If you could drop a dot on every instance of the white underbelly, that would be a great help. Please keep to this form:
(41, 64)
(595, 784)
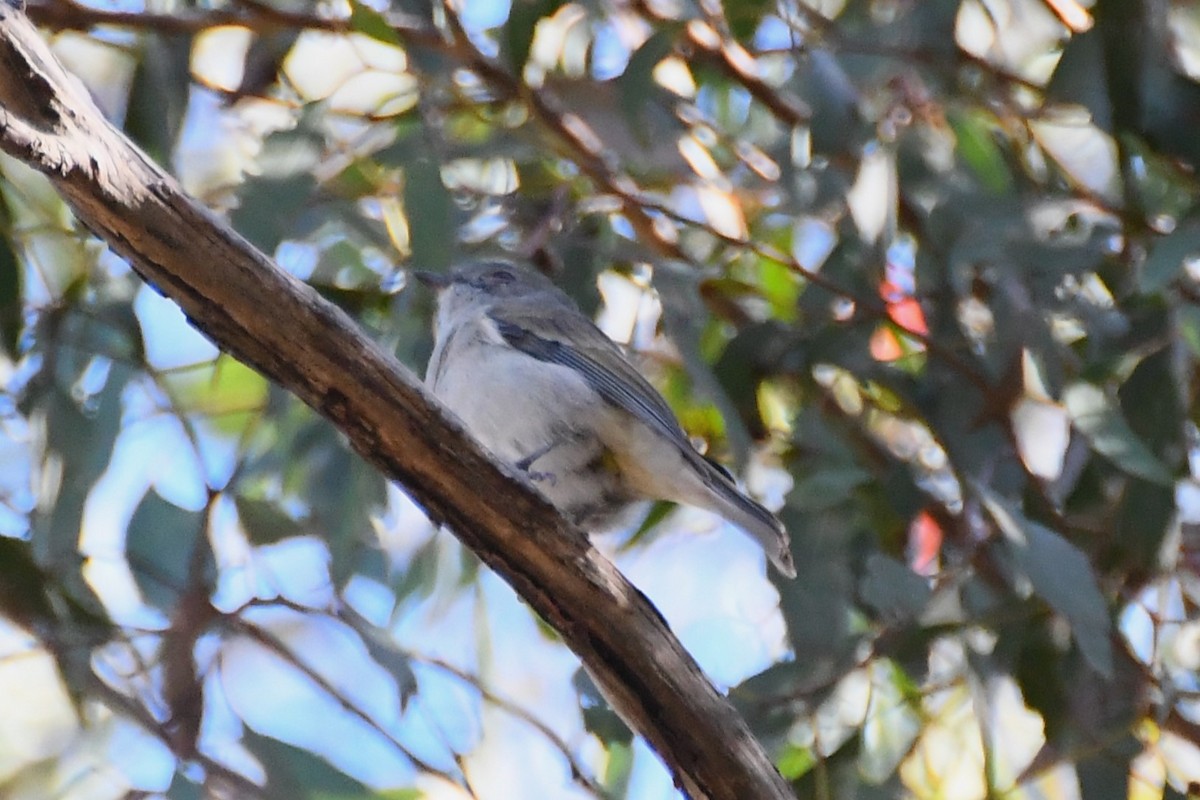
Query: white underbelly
(513, 403)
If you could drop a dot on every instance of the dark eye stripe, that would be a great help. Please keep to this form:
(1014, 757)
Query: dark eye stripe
(494, 278)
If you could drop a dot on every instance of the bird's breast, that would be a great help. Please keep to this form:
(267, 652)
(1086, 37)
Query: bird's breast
(513, 403)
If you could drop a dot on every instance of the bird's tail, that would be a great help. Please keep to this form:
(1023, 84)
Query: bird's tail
(764, 527)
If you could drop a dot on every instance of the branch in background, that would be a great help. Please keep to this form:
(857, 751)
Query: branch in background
(587, 150)
(577, 772)
(279, 326)
(259, 17)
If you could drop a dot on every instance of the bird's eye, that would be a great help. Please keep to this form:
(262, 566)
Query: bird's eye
(501, 276)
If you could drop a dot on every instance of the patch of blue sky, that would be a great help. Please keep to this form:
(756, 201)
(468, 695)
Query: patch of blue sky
(773, 34)
(706, 577)
(147, 453)
(169, 340)
(298, 258)
(901, 263)
(478, 16)
(438, 724)
(647, 778)
(275, 698)
(622, 226)
(727, 105)
(143, 758)
(484, 14)
(221, 735)
(610, 56)
(297, 570)
(16, 471)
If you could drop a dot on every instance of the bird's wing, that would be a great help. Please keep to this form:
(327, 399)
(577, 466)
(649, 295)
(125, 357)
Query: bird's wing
(594, 356)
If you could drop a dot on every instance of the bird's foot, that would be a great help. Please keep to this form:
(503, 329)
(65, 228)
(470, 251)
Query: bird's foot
(540, 477)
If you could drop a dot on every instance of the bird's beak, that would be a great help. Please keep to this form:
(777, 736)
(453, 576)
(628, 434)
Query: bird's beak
(434, 280)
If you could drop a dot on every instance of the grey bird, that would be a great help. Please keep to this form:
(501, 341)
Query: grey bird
(539, 385)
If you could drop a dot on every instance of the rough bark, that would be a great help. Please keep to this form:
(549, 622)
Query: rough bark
(273, 322)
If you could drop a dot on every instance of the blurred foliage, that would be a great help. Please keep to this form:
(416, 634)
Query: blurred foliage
(932, 264)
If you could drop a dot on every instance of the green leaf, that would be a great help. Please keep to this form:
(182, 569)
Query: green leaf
(685, 318)
(826, 488)
(523, 18)
(818, 604)
(893, 723)
(1104, 772)
(740, 369)
(1101, 422)
(298, 773)
(795, 762)
(24, 597)
(1061, 575)
(1039, 674)
(224, 387)
(1188, 319)
(618, 769)
(657, 513)
(420, 577)
(744, 16)
(341, 265)
(294, 152)
(159, 93)
(978, 148)
(81, 433)
(11, 298)
(264, 521)
(161, 548)
(430, 213)
(598, 717)
(264, 61)
(892, 589)
(1165, 262)
(781, 287)
(637, 84)
(1078, 78)
(1145, 518)
(604, 723)
(370, 22)
(268, 208)
(184, 789)
(344, 492)
(383, 650)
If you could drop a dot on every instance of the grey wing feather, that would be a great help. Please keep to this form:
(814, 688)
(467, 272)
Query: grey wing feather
(597, 358)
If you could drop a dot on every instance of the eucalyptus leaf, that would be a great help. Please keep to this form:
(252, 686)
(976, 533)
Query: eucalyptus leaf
(523, 17)
(163, 544)
(159, 93)
(269, 206)
(1062, 576)
(636, 83)
(430, 214)
(1095, 415)
(981, 153)
(1166, 262)
(367, 20)
(892, 589)
(11, 298)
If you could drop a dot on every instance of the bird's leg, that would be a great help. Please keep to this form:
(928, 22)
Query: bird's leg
(525, 463)
(528, 461)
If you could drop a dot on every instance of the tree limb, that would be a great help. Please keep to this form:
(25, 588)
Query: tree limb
(281, 327)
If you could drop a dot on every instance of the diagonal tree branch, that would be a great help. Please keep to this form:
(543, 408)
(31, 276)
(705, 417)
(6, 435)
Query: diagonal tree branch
(273, 322)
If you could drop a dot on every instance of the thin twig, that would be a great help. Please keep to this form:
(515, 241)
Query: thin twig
(577, 771)
(277, 646)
